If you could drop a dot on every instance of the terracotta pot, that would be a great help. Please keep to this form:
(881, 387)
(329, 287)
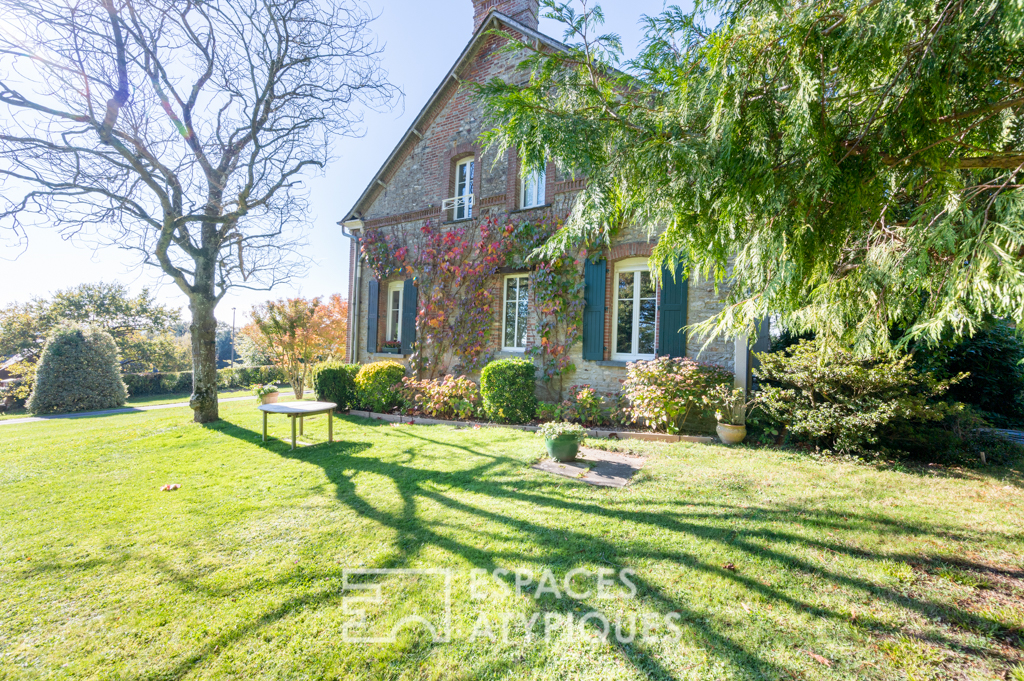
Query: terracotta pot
(731, 435)
(271, 398)
(562, 448)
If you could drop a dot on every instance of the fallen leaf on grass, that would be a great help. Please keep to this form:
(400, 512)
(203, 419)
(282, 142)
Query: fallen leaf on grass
(730, 567)
(818, 658)
(170, 488)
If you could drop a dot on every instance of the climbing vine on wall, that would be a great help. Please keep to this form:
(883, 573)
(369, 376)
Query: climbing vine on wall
(455, 271)
(456, 267)
(386, 254)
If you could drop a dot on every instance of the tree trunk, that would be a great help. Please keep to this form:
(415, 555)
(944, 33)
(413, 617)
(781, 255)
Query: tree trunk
(204, 360)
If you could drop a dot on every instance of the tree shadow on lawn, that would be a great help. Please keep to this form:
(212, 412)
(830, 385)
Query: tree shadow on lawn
(506, 479)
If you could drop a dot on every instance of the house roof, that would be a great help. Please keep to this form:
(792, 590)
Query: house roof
(467, 54)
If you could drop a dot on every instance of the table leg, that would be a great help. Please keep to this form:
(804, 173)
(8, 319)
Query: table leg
(264, 426)
(293, 432)
(302, 425)
(330, 427)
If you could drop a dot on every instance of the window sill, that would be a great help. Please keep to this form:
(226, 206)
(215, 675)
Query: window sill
(612, 363)
(516, 351)
(385, 355)
(527, 210)
(453, 222)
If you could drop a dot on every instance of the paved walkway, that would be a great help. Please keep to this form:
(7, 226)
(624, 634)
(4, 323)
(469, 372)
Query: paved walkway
(595, 467)
(108, 412)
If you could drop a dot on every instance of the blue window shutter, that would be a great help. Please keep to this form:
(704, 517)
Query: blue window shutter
(674, 302)
(409, 308)
(594, 274)
(373, 300)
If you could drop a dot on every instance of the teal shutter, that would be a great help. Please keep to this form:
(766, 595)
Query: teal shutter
(594, 274)
(409, 307)
(373, 300)
(674, 299)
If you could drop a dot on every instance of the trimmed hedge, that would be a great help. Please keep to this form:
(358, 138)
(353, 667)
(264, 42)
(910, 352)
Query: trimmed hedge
(335, 382)
(142, 385)
(378, 386)
(507, 386)
(78, 371)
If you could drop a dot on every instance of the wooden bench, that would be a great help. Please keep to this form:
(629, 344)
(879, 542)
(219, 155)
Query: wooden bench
(297, 411)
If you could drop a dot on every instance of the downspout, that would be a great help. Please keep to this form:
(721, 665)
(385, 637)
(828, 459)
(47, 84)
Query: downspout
(353, 308)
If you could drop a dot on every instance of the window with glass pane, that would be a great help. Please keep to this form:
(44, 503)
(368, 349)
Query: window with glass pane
(464, 189)
(635, 312)
(516, 309)
(533, 189)
(394, 326)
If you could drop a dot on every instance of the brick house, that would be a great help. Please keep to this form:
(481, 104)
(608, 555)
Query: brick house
(627, 316)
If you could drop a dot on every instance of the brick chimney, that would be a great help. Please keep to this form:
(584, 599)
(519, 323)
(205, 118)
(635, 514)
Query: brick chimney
(526, 12)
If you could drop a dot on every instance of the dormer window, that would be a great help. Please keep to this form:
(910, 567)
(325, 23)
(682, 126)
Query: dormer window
(533, 190)
(464, 177)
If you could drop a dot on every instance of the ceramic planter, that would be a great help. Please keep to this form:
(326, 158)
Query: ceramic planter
(271, 398)
(731, 435)
(563, 448)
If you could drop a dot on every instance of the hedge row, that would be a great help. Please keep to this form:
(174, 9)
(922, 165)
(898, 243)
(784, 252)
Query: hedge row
(141, 385)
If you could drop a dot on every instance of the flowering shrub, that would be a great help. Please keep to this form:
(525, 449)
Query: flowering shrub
(378, 384)
(666, 392)
(584, 405)
(559, 431)
(845, 403)
(445, 398)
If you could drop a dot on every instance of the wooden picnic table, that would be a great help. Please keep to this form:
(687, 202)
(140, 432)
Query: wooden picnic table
(298, 411)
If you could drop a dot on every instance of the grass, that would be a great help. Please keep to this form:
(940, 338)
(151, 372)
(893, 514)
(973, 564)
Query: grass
(150, 401)
(771, 565)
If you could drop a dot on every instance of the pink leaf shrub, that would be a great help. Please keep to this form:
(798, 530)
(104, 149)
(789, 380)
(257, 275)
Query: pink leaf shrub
(665, 392)
(443, 398)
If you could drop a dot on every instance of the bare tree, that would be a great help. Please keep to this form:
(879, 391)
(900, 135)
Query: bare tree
(182, 131)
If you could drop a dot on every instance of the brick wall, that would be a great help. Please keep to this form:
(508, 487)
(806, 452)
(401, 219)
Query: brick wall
(422, 178)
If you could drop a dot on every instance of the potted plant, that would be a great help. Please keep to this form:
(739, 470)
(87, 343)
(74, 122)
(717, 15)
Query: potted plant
(562, 439)
(266, 394)
(392, 347)
(731, 411)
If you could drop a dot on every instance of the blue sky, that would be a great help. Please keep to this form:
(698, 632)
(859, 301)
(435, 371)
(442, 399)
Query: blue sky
(423, 38)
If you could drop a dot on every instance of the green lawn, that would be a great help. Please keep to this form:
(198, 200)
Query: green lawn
(154, 400)
(771, 565)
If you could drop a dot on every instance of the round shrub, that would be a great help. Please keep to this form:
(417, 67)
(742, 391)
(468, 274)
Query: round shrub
(335, 382)
(78, 371)
(378, 386)
(507, 386)
(667, 393)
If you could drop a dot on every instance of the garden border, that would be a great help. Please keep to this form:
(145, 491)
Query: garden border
(620, 435)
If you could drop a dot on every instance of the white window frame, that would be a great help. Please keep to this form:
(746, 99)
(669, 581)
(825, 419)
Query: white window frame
(504, 309)
(540, 177)
(625, 266)
(392, 287)
(464, 191)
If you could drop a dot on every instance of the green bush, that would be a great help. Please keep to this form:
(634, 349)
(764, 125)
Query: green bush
(335, 382)
(667, 393)
(847, 404)
(378, 386)
(78, 371)
(142, 385)
(507, 387)
(992, 358)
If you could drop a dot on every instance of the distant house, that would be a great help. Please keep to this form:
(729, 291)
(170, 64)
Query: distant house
(439, 172)
(6, 364)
